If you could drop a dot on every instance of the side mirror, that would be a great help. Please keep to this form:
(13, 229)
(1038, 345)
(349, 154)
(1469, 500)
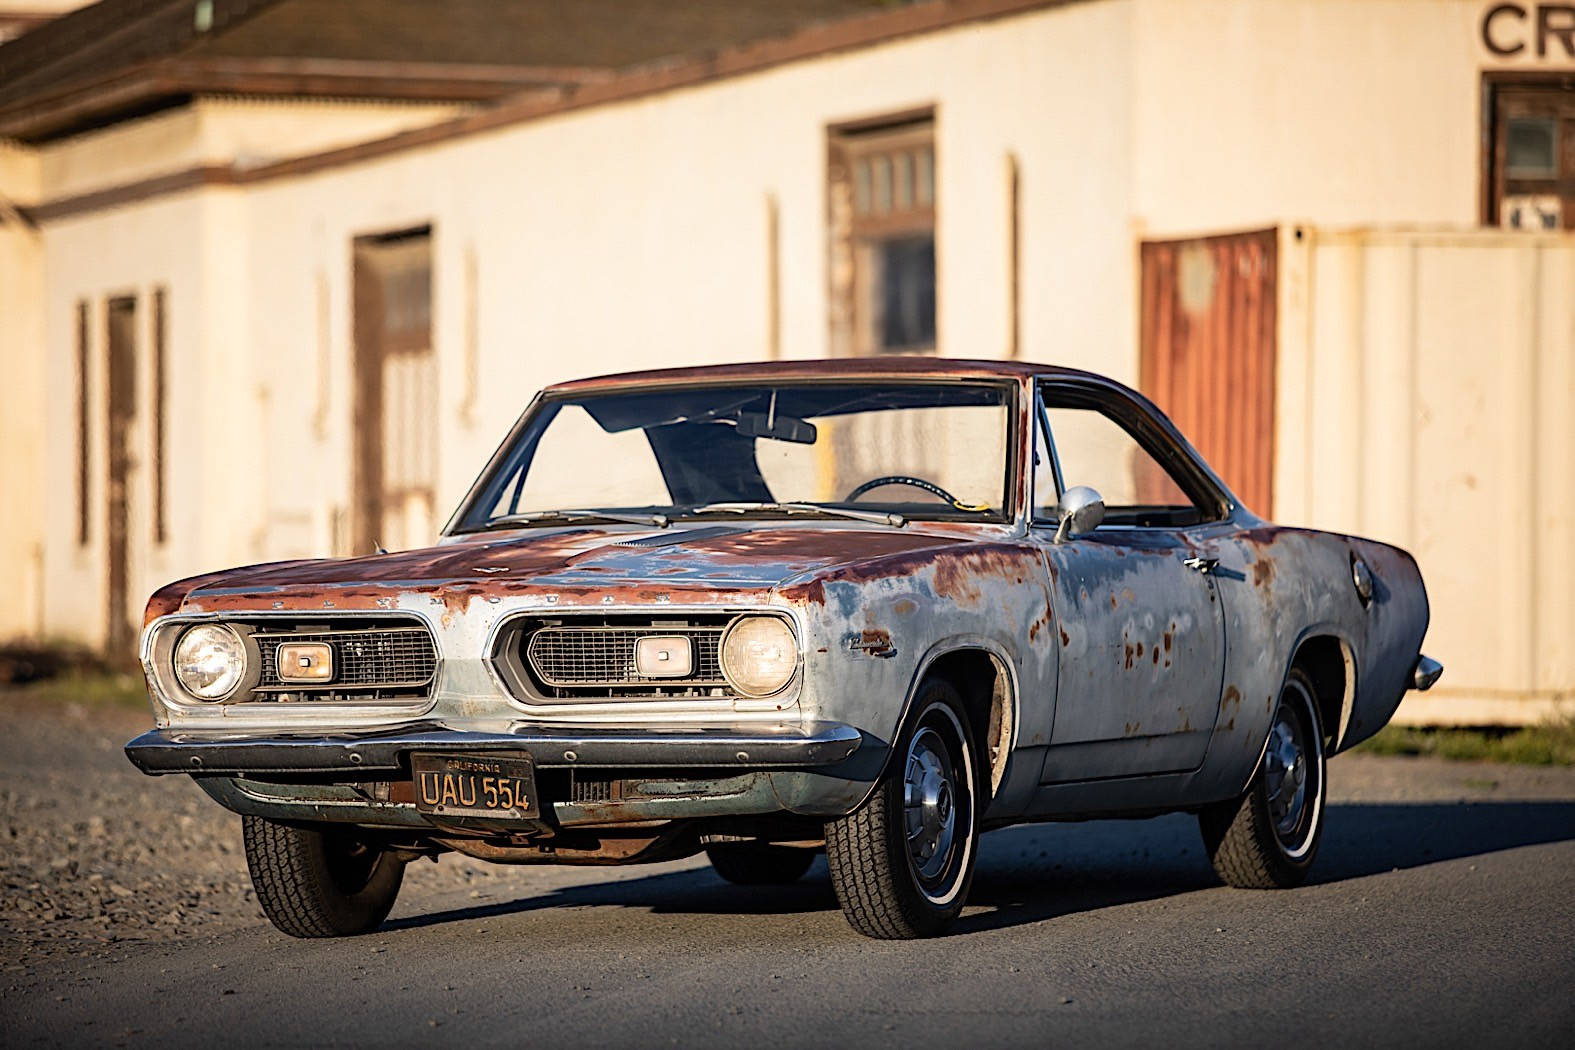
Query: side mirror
(1082, 509)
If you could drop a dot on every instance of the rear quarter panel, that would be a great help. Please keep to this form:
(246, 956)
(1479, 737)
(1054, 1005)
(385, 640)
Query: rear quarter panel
(1282, 587)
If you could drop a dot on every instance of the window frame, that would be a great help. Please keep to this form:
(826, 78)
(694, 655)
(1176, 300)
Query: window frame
(1510, 94)
(1150, 431)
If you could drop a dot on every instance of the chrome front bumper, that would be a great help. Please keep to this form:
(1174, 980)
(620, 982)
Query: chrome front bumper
(754, 747)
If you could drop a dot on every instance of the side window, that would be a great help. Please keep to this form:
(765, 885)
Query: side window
(1095, 450)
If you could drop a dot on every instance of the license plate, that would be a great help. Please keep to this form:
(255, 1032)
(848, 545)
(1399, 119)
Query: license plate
(475, 786)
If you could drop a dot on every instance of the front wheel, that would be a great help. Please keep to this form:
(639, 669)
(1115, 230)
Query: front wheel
(1267, 838)
(902, 864)
(319, 883)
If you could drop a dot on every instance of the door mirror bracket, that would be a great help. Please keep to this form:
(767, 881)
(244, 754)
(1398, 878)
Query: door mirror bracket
(1082, 509)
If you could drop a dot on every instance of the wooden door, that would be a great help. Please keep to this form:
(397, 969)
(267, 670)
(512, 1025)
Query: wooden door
(120, 635)
(395, 398)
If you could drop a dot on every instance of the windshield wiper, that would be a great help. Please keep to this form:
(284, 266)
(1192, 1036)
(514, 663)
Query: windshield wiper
(877, 517)
(534, 517)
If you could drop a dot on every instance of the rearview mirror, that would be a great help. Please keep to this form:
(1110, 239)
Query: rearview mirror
(1082, 509)
(782, 428)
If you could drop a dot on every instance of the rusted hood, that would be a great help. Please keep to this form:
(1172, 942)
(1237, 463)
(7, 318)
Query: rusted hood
(718, 557)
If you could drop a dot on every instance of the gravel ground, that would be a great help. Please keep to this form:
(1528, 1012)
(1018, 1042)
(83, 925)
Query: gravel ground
(98, 855)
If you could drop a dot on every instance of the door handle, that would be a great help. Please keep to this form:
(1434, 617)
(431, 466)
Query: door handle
(1203, 565)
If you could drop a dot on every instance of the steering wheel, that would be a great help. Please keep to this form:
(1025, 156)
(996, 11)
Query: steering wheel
(902, 479)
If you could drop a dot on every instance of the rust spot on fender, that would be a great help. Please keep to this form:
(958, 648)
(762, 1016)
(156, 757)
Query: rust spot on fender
(1065, 640)
(1038, 625)
(1262, 572)
(905, 606)
(1232, 696)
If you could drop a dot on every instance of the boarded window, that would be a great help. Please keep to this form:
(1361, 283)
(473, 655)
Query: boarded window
(882, 236)
(1529, 162)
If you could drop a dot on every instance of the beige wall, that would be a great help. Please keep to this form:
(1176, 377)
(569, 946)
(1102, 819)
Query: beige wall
(1426, 385)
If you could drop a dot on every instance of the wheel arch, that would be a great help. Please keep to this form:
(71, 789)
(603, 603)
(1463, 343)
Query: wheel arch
(1326, 655)
(993, 707)
(1329, 661)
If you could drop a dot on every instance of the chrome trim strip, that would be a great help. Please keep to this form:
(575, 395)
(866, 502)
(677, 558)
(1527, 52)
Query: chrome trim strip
(784, 746)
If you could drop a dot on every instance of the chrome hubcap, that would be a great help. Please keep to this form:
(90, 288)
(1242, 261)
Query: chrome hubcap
(1287, 774)
(1292, 770)
(929, 804)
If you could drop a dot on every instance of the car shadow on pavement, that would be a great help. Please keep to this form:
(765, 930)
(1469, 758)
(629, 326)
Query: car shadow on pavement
(1164, 856)
(1035, 873)
(694, 891)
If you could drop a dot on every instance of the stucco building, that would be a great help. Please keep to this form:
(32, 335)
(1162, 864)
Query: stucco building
(265, 295)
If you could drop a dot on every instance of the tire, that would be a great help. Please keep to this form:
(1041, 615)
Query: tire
(1267, 839)
(892, 890)
(759, 863)
(319, 883)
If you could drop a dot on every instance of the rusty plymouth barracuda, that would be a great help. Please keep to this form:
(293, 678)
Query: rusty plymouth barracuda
(866, 607)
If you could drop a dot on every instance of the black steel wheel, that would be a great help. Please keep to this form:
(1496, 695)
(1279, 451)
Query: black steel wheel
(759, 863)
(314, 883)
(902, 864)
(1267, 838)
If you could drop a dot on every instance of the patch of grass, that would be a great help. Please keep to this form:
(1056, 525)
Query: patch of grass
(1549, 744)
(92, 689)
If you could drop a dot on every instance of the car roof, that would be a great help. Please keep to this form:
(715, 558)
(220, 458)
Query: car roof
(829, 368)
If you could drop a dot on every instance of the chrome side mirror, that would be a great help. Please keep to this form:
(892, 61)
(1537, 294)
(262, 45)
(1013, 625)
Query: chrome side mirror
(1082, 509)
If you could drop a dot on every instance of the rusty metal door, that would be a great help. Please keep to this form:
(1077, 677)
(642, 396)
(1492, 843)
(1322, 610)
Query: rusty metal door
(395, 399)
(119, 636)
(1208, 340)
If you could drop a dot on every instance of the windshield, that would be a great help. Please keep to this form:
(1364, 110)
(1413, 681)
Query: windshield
(934, 450)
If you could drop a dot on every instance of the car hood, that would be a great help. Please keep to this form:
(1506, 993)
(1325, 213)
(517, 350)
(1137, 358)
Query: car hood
(721, 560)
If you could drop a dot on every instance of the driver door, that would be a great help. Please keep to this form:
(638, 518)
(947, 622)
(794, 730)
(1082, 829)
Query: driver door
(1141, 625)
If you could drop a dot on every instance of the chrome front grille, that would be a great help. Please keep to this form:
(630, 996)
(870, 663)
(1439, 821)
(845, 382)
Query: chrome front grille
(603, 656)
(376, 661)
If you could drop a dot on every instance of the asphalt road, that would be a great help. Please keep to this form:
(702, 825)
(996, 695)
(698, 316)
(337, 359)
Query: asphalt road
(1442, 913)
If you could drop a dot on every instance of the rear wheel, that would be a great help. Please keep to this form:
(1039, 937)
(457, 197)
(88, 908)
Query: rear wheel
(1267, 838)
(902, 864)
(759, 863)
(319, 883)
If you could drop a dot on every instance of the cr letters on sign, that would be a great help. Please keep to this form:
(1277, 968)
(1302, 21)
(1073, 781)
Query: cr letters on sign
(1542, 29)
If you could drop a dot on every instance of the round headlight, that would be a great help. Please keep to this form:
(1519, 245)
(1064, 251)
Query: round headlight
(209, 661)
(759, 655)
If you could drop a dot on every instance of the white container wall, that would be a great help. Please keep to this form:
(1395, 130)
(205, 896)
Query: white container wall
(1426, 397)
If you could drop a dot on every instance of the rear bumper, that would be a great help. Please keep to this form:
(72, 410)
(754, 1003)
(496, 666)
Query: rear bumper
(1426, 673)
(753, 747)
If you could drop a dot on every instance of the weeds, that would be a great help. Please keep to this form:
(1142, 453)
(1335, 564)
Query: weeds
(1549, 744)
